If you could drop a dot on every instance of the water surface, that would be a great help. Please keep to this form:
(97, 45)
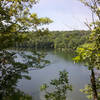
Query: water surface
(78, 76)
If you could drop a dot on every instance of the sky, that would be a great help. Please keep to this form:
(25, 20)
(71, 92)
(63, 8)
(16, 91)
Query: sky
(66, 14)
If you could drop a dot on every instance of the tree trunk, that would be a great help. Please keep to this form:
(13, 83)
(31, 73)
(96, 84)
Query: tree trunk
(1, 96)
(93, 84)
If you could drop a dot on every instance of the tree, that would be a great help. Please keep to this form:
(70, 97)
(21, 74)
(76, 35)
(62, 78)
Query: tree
(60, 87)
(11, 70)
(89, 53)
(15, 22)
(15, 18)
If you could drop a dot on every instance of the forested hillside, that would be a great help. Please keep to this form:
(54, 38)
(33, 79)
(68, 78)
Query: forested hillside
(27, 45)
(59, 40)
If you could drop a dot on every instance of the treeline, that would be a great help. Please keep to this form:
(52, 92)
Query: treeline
(60, 40)
(69, 40)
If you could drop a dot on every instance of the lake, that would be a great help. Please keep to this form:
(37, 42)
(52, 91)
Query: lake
(78, 76)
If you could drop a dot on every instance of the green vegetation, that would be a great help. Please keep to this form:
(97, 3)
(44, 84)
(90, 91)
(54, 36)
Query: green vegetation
(60, 87)
(69, 40)
(11, 70)
(89, 52)
(59, 40)
(20, 29)
(15, 21)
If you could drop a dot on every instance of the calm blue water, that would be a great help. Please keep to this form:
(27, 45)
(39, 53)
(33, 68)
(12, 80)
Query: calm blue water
(78, 76)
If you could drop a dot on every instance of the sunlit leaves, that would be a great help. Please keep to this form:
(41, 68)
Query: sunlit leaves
(89, 52)
(39, 21)
(88, 91)
(15, 18)
(43, 87)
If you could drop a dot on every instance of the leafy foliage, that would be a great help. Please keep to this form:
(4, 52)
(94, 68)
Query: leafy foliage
(12, 69)
(15, 22)
(60, 87)
(16, 19)
(59, 40)
(89, 53)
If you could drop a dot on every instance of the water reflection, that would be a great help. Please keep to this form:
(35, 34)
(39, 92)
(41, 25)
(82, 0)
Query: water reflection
(11, 70)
